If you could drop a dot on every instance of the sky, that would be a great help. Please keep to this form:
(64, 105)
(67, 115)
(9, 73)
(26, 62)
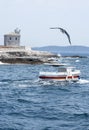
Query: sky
(35, 17)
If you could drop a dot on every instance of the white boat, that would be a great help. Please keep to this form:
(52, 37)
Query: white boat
(63, 74)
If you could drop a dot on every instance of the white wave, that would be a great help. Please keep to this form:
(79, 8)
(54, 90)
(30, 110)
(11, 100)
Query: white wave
(83, 81)
(77, 61)
(1, 63)
(22, 85)
(59, 55)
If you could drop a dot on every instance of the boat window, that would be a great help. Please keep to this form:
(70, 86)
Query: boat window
(62, 70)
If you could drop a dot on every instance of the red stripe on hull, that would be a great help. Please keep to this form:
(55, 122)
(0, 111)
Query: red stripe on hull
(60, 78)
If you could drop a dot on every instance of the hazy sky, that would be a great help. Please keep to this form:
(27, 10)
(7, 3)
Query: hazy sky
(35, 17)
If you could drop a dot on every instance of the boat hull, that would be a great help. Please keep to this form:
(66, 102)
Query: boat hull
(64, 74)
(61, 78)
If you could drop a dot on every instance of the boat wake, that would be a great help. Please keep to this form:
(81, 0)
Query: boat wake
(25, 83)
(56, 82)
(43, 82)
(83, 81)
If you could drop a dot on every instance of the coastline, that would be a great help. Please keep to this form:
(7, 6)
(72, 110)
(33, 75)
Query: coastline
(25, 57)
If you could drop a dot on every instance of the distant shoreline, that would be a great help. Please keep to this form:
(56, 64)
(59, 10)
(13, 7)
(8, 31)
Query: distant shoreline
(66, 51)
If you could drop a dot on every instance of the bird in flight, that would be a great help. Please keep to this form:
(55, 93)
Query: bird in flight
(63, 31)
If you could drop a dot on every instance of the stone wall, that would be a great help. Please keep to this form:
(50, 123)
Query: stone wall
(8, 49)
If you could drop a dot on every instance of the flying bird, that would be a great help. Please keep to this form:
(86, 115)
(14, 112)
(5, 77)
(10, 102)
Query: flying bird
(63, 31)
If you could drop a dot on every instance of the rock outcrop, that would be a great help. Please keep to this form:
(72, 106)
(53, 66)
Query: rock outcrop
(25, 57)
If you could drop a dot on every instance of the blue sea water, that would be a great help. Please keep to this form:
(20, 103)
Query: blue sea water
(28, 103)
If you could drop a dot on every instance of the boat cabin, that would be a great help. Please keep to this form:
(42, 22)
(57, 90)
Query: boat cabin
(62, 69)
(66, 69)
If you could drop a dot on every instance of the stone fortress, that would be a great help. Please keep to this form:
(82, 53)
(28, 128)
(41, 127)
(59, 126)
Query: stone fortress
(12, 42)
(12, 52)
(12, 39)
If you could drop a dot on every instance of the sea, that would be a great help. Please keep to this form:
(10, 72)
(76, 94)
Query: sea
(30, 103)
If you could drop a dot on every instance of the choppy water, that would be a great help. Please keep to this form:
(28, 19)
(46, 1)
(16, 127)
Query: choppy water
(27, 103)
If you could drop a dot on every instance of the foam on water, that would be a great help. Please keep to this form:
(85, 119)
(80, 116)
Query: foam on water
(53, 83)
(83, 81)
(1, 63)
(77, 61)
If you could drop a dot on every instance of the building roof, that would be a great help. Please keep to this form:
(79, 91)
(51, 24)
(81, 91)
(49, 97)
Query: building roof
(12, 34)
